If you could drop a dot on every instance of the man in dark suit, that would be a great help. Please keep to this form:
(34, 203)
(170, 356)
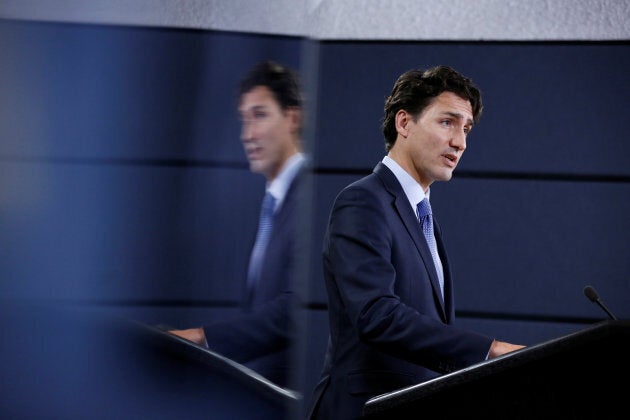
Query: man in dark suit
(390, 298)
(270, 107)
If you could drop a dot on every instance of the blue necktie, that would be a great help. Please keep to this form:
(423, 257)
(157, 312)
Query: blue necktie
(426, 221)
(262, 237)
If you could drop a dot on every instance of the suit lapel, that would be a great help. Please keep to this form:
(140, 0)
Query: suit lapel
(410, 220)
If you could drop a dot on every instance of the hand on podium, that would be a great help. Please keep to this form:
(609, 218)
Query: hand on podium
(196, 335)
(499, 348)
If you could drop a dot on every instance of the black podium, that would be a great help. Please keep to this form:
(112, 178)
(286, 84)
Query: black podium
(583, 375)
(212, 386)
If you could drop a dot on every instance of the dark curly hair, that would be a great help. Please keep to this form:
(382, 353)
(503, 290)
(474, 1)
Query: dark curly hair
(416, 89)
(282, 81)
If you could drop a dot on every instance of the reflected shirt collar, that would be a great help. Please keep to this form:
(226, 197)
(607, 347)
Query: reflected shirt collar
(279, 186)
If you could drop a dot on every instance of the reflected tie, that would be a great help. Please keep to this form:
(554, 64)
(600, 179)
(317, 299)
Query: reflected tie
(262, 237)
(426, 221)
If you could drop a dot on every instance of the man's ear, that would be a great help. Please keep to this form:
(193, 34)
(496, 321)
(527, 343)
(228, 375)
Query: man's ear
(294, 114)
(403, 118)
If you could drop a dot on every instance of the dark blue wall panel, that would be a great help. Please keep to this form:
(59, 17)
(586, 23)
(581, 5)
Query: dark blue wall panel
(108, 92)
(521, 331)
(521, 247)
(549, 107)
(128, 232)
(530, 247)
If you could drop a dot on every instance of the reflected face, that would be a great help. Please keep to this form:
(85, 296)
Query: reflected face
(430, 147)
(269, 134)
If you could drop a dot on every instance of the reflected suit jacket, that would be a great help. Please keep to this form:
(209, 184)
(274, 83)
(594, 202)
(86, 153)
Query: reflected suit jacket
(260, 337)
(389, 326)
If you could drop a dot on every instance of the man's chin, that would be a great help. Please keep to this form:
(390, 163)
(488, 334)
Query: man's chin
(257, 167)
(444, 176)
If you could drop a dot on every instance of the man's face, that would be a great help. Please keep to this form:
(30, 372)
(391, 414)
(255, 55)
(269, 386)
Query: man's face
(269, 133)
(433, 144)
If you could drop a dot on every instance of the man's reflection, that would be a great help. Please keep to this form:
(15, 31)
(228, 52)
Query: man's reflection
(270, 107)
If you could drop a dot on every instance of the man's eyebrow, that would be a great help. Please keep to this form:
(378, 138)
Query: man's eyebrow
(253, 108)
(256, 107)
(458, 116)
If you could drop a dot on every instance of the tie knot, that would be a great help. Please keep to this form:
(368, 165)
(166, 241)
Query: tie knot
(424, 208)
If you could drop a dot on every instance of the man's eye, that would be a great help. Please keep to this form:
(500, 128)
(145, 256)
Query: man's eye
(446, 122)
(259, 115)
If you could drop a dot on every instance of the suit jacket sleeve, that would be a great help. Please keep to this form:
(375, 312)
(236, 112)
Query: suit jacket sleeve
(265, 330)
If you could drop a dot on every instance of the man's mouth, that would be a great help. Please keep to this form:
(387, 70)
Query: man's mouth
(253, 152)
(451, 159)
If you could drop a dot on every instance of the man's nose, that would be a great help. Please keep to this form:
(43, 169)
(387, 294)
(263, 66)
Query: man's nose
(459, 141)
(246, 132)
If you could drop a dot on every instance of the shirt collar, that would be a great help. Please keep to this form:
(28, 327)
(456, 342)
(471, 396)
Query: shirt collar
(280, 185)
(412, 189)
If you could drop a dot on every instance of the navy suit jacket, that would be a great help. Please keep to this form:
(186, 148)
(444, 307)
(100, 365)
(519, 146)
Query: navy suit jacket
(389, 326)
(261, 337)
